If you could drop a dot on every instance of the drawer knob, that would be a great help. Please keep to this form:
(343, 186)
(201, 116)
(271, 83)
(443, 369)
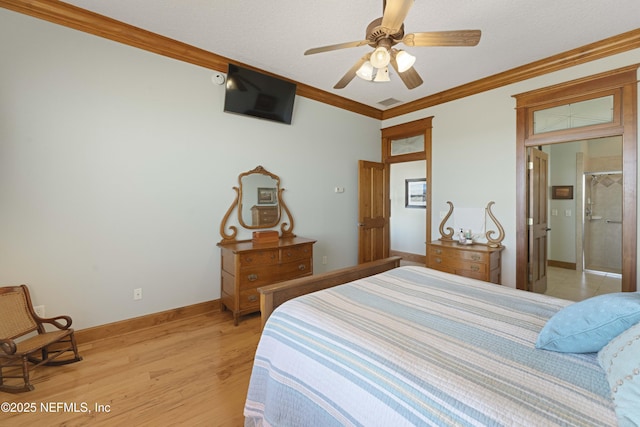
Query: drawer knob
(288, 253)
(302, 267)
(252, 277)
(253, 298)
(475, 257)
(248, 259)
(475, 268)
(438, 260)
(439, 251)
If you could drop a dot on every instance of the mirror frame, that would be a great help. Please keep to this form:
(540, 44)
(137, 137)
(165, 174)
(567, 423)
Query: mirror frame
(263, 172)
(286, 228)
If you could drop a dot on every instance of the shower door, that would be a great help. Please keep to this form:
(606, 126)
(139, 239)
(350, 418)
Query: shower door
(603, 222)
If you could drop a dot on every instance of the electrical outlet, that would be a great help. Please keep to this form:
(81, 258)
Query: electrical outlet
(324, 260)
(137, 293)
(39, 309)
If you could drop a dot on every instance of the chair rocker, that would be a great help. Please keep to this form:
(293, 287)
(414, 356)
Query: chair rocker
(19, 322)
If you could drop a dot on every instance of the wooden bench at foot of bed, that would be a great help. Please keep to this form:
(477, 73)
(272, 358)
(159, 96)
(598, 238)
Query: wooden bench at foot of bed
(272, 296)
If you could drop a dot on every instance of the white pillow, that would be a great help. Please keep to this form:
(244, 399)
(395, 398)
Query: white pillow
(621, 361)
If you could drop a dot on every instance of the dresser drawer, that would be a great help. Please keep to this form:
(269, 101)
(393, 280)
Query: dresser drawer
(256, 277)
(258, 258)
(249, 299)
(298, 268)
(459, 254)
(439, 262)
(296, 252)
(259, 276)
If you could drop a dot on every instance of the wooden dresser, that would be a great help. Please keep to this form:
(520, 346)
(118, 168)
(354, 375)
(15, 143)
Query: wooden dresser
(476, 261)
(246, 266)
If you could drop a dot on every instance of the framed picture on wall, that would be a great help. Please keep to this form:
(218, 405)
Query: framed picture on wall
(415, 193)
(266, 196)
(562, 192)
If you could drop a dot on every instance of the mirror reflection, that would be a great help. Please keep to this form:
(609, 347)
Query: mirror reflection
(259, 207)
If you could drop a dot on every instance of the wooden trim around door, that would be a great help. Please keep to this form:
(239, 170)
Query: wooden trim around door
(626, 80)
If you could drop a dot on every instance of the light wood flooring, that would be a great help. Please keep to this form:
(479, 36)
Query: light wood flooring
(190, 372)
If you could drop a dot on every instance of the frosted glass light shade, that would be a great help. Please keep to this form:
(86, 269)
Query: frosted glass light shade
(380, 57)
(365, 71)
(405, 61)
(382, 75)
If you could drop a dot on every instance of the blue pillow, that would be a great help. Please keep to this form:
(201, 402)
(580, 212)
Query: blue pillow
(587, 326)
(621, 361)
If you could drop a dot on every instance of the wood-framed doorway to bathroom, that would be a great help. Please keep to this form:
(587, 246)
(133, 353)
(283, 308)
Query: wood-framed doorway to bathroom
(621, 84)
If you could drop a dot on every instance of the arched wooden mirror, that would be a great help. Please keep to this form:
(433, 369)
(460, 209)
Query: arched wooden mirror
(259, 205)
(258, 201)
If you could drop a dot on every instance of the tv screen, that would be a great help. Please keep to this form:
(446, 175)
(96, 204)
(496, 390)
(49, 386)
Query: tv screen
(255, 94)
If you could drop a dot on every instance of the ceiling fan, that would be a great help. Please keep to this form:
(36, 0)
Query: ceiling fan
(383, 34)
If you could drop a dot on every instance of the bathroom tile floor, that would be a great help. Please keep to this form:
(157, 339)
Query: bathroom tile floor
(578, 285)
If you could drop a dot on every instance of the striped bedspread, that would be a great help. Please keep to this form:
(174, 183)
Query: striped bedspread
(416, 347)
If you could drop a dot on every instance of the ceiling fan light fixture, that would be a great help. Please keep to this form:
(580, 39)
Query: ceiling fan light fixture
(380, 57)
(405, 61)
(382, 75)
(366, 71)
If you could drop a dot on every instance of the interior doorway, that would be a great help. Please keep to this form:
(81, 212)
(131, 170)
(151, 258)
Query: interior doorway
(408, 219)
(584, 250)
(614, 93)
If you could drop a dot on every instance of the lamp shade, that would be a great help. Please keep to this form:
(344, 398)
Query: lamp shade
(380, 57)
(365, 71)
(405, 61)
(382, 75)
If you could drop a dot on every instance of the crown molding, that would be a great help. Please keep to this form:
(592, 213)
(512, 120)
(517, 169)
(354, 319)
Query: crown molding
(89, 22)
(80, 19)
(601, 49)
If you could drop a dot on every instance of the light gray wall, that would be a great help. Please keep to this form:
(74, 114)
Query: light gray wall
(117, 166)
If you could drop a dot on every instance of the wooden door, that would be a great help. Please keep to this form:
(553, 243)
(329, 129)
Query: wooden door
(537, 219)
(373, 212)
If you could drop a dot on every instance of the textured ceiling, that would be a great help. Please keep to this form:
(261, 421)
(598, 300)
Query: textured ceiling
(273, 35)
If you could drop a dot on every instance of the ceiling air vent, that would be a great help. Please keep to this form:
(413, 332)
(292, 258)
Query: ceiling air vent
(389, 102)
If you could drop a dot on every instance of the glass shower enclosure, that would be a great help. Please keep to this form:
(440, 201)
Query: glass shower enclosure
(603, 221)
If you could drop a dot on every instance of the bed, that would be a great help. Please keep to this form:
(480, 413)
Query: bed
(413, 346)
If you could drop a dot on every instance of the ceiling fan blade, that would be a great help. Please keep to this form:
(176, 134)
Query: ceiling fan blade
(395, 12)
(346, 79)
(336, 47)
(443, 38)
(410, 77)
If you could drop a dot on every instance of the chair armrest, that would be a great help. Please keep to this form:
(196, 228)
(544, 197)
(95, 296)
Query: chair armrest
(7, 347)
(54, 321)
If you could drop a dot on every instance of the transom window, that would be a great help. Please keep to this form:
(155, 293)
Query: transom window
(574, 115)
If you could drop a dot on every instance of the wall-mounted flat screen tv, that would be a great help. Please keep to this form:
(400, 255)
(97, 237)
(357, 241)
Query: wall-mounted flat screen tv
(255, 94)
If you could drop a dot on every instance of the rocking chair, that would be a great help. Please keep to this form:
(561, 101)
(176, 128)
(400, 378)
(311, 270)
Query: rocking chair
(19, 321)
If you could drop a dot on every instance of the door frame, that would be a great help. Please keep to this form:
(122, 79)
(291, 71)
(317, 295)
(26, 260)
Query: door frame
(538, 202)
(406, 130)
(622, 83)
